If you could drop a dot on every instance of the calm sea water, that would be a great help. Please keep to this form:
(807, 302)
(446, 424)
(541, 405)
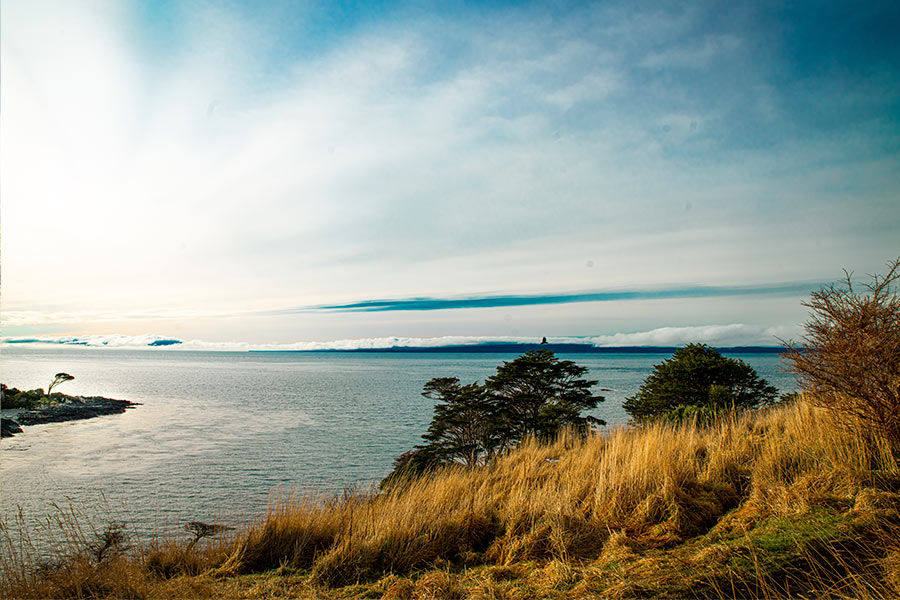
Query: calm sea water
(218, 433)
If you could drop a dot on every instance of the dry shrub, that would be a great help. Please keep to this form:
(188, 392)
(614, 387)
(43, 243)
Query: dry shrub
(849, 359)
(556, 574)
(618, 550)
(82, 577)
(891, 566)
(88, 561)
(397, 588)
(172, 558)
(489, 590)
(504, 573)
(294, 532)
(712, 556)
(437, 584)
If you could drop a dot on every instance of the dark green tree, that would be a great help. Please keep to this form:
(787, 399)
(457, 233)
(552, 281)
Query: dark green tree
(698, 380)
(538, 394)
(535, 394)
(463, 430)
(465, 423)
(412, 464)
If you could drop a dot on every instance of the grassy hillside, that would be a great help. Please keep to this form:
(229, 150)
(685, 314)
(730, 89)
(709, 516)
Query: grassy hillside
(772, 503)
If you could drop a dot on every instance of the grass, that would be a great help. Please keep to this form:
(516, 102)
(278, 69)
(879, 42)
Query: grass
(781, 502)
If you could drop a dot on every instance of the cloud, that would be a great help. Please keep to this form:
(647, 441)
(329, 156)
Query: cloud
(157, 341)
(221, 163)
(31, 318)
(716, 335)
(19, 318)
(610, 296)
(99, 341)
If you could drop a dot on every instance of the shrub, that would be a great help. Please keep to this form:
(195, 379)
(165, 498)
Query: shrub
(698, 380)
(849, 359)
(15, 398)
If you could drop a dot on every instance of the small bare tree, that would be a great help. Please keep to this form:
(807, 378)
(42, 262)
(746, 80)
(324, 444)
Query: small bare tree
(849, 359)
(112, 538)
(201, 530)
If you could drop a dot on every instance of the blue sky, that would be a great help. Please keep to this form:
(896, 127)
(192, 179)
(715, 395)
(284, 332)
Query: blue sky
(296, 173)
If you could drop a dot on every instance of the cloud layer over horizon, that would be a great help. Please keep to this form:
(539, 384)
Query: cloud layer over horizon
(209, 165)
(731, 335)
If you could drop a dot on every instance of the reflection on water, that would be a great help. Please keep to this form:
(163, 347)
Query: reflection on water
(218, 432)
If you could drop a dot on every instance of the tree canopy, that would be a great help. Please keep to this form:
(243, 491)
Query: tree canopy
(465, 423)
(538, 394)
(698, 377)
(535, 394)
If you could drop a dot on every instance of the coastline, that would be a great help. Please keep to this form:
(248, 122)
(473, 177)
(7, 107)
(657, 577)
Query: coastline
(519, 348)
(70, 408)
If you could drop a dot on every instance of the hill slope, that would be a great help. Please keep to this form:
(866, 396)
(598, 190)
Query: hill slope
(777, 502)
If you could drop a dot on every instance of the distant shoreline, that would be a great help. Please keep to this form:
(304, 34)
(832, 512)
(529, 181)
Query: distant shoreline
(513, 347)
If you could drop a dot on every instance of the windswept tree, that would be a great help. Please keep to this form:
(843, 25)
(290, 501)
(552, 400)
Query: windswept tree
(697, 378)
(465, 424)
(849, 359)
(535, 394)
(538, 394)
(59, 378)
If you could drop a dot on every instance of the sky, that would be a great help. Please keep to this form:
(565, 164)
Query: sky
(314, 174)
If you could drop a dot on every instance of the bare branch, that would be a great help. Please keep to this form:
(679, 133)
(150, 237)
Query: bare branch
(849, 358)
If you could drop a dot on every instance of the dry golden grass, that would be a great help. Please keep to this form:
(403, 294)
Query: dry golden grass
(779, 502)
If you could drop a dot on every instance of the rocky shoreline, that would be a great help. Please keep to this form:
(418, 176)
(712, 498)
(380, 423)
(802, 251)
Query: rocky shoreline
(71, 408)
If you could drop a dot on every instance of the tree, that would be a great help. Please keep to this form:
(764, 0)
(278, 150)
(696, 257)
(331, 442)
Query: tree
(538, 394)
(465, 424)
(59, 378)
(697, 379)
(535, 394)
(849, 359)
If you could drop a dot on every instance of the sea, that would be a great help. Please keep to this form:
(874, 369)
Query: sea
(221, 436)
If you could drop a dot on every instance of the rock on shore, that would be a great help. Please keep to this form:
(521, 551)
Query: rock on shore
(9, 428)
(72, 408)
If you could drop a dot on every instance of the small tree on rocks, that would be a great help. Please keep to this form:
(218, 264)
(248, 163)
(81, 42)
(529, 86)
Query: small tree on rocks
(59, 378)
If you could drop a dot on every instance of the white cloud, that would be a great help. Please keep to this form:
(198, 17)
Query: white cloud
(715, 335)
(97, 341)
